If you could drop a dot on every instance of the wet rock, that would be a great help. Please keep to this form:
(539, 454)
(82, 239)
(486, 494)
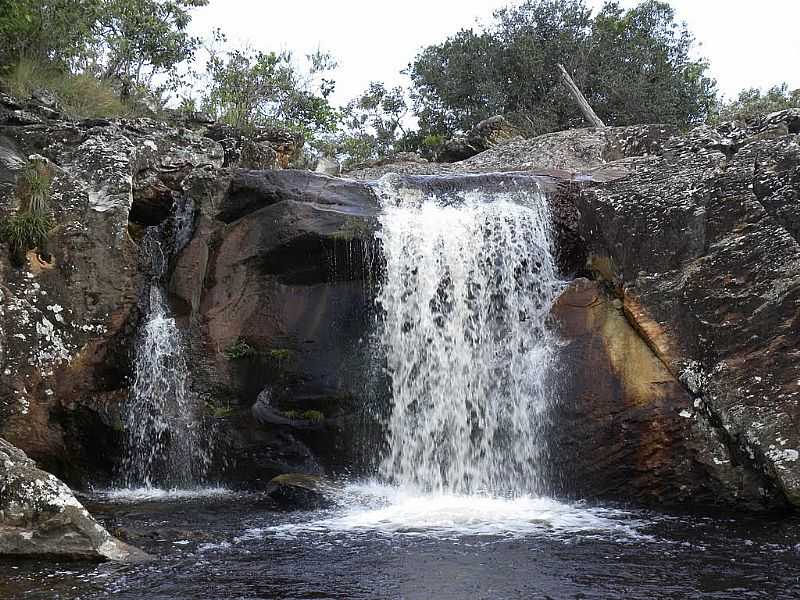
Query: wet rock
(39, 517)
(300, 492)
(626, 427)
(701, 244)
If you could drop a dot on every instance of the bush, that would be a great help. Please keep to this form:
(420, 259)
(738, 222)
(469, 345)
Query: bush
(753, 103)
(79, 95)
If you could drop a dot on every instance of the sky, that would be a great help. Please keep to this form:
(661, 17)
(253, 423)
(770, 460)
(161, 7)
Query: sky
(748, 43)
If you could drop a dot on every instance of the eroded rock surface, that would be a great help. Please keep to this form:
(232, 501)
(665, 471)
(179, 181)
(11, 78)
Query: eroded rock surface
(40, 517)
(700, 244)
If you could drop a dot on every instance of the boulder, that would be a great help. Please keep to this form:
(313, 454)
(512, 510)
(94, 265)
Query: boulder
(40, 517)
(300, 492)
(489, 133)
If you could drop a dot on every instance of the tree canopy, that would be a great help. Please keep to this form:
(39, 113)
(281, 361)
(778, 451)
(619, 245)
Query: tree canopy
(634, 66)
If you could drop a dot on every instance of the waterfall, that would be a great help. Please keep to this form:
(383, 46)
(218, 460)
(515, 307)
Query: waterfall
(469, 282)
(165, 440)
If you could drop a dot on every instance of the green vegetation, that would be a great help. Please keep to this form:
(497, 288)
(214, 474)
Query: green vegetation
(634, 66)
(247, 88)
(752, 103)
(127, 57)
(314, 416)
(95, 56)
(239, 349)
(29, 227)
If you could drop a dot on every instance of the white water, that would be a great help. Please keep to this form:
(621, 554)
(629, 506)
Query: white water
(470, 280)
(166, 444)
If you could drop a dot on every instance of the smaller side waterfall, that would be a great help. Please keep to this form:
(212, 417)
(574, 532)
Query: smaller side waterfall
(166, 445)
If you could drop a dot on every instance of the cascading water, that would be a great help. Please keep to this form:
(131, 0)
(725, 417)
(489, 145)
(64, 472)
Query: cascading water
(470, 279)
(165, 439)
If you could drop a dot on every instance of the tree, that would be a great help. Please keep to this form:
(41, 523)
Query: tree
(54, 32)
(753, 102)
(246, 88)
(138, 39)
(373, 124)
(633, 66)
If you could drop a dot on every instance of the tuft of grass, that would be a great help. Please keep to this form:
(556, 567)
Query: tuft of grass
(33, 187)
(79, 95)
(25, 231)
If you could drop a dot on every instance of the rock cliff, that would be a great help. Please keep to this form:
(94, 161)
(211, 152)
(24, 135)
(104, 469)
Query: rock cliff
(679, 336)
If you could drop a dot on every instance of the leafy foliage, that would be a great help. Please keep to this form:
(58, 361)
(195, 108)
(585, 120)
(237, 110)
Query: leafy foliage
(373, 124)
(248, 88)
(633, 66)
(752, 102)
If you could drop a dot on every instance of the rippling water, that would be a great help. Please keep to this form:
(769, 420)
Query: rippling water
(386, 543)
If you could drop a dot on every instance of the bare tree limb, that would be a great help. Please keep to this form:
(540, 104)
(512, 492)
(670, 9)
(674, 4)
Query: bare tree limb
(590, 115)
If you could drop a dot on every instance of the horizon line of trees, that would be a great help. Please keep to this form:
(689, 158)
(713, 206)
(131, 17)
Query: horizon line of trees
(633, 65)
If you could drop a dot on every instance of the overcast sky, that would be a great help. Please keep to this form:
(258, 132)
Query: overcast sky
(748, 43)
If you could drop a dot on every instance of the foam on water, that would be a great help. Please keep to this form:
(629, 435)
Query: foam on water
(154, 494)
(388, 510)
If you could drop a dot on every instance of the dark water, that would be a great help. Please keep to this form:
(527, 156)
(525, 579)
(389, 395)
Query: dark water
(231, 547)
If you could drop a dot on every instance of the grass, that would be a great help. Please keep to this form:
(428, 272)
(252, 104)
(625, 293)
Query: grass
(33, 187)
(24, 231)
(80, 95)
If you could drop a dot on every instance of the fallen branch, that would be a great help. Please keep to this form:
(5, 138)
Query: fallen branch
(590, 115)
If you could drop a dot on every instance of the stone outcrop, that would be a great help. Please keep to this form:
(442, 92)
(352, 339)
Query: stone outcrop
(489, 133)
(700, 245)
(40, 517)
(276, 291)
(65, 321)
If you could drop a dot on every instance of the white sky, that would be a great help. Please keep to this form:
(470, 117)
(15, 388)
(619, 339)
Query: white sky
(748, 43)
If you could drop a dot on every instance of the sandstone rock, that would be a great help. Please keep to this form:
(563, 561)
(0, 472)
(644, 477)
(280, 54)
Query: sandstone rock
(701, 243)
(66, 324)
(39, 517)
(573, 152)
(625, 427)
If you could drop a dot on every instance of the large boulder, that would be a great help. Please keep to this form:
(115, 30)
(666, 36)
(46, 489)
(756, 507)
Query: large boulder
(489, 133)
(40, 517)
(700, 244)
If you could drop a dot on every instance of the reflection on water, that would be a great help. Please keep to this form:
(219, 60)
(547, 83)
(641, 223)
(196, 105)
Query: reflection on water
(386, 543)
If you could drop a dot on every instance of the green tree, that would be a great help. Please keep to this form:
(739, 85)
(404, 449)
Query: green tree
(246, 88)
(374, 124)
(753, 102)
(634, 66)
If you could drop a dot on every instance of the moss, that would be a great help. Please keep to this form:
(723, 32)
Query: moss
(239, 349)
(352, 228)
(280, 354)
(314, 416)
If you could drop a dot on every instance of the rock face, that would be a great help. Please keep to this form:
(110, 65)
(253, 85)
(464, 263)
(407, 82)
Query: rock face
(276, 291)
(700, 244)
(65, 323)
(489, 133)
(39, 517)
(625, 427)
